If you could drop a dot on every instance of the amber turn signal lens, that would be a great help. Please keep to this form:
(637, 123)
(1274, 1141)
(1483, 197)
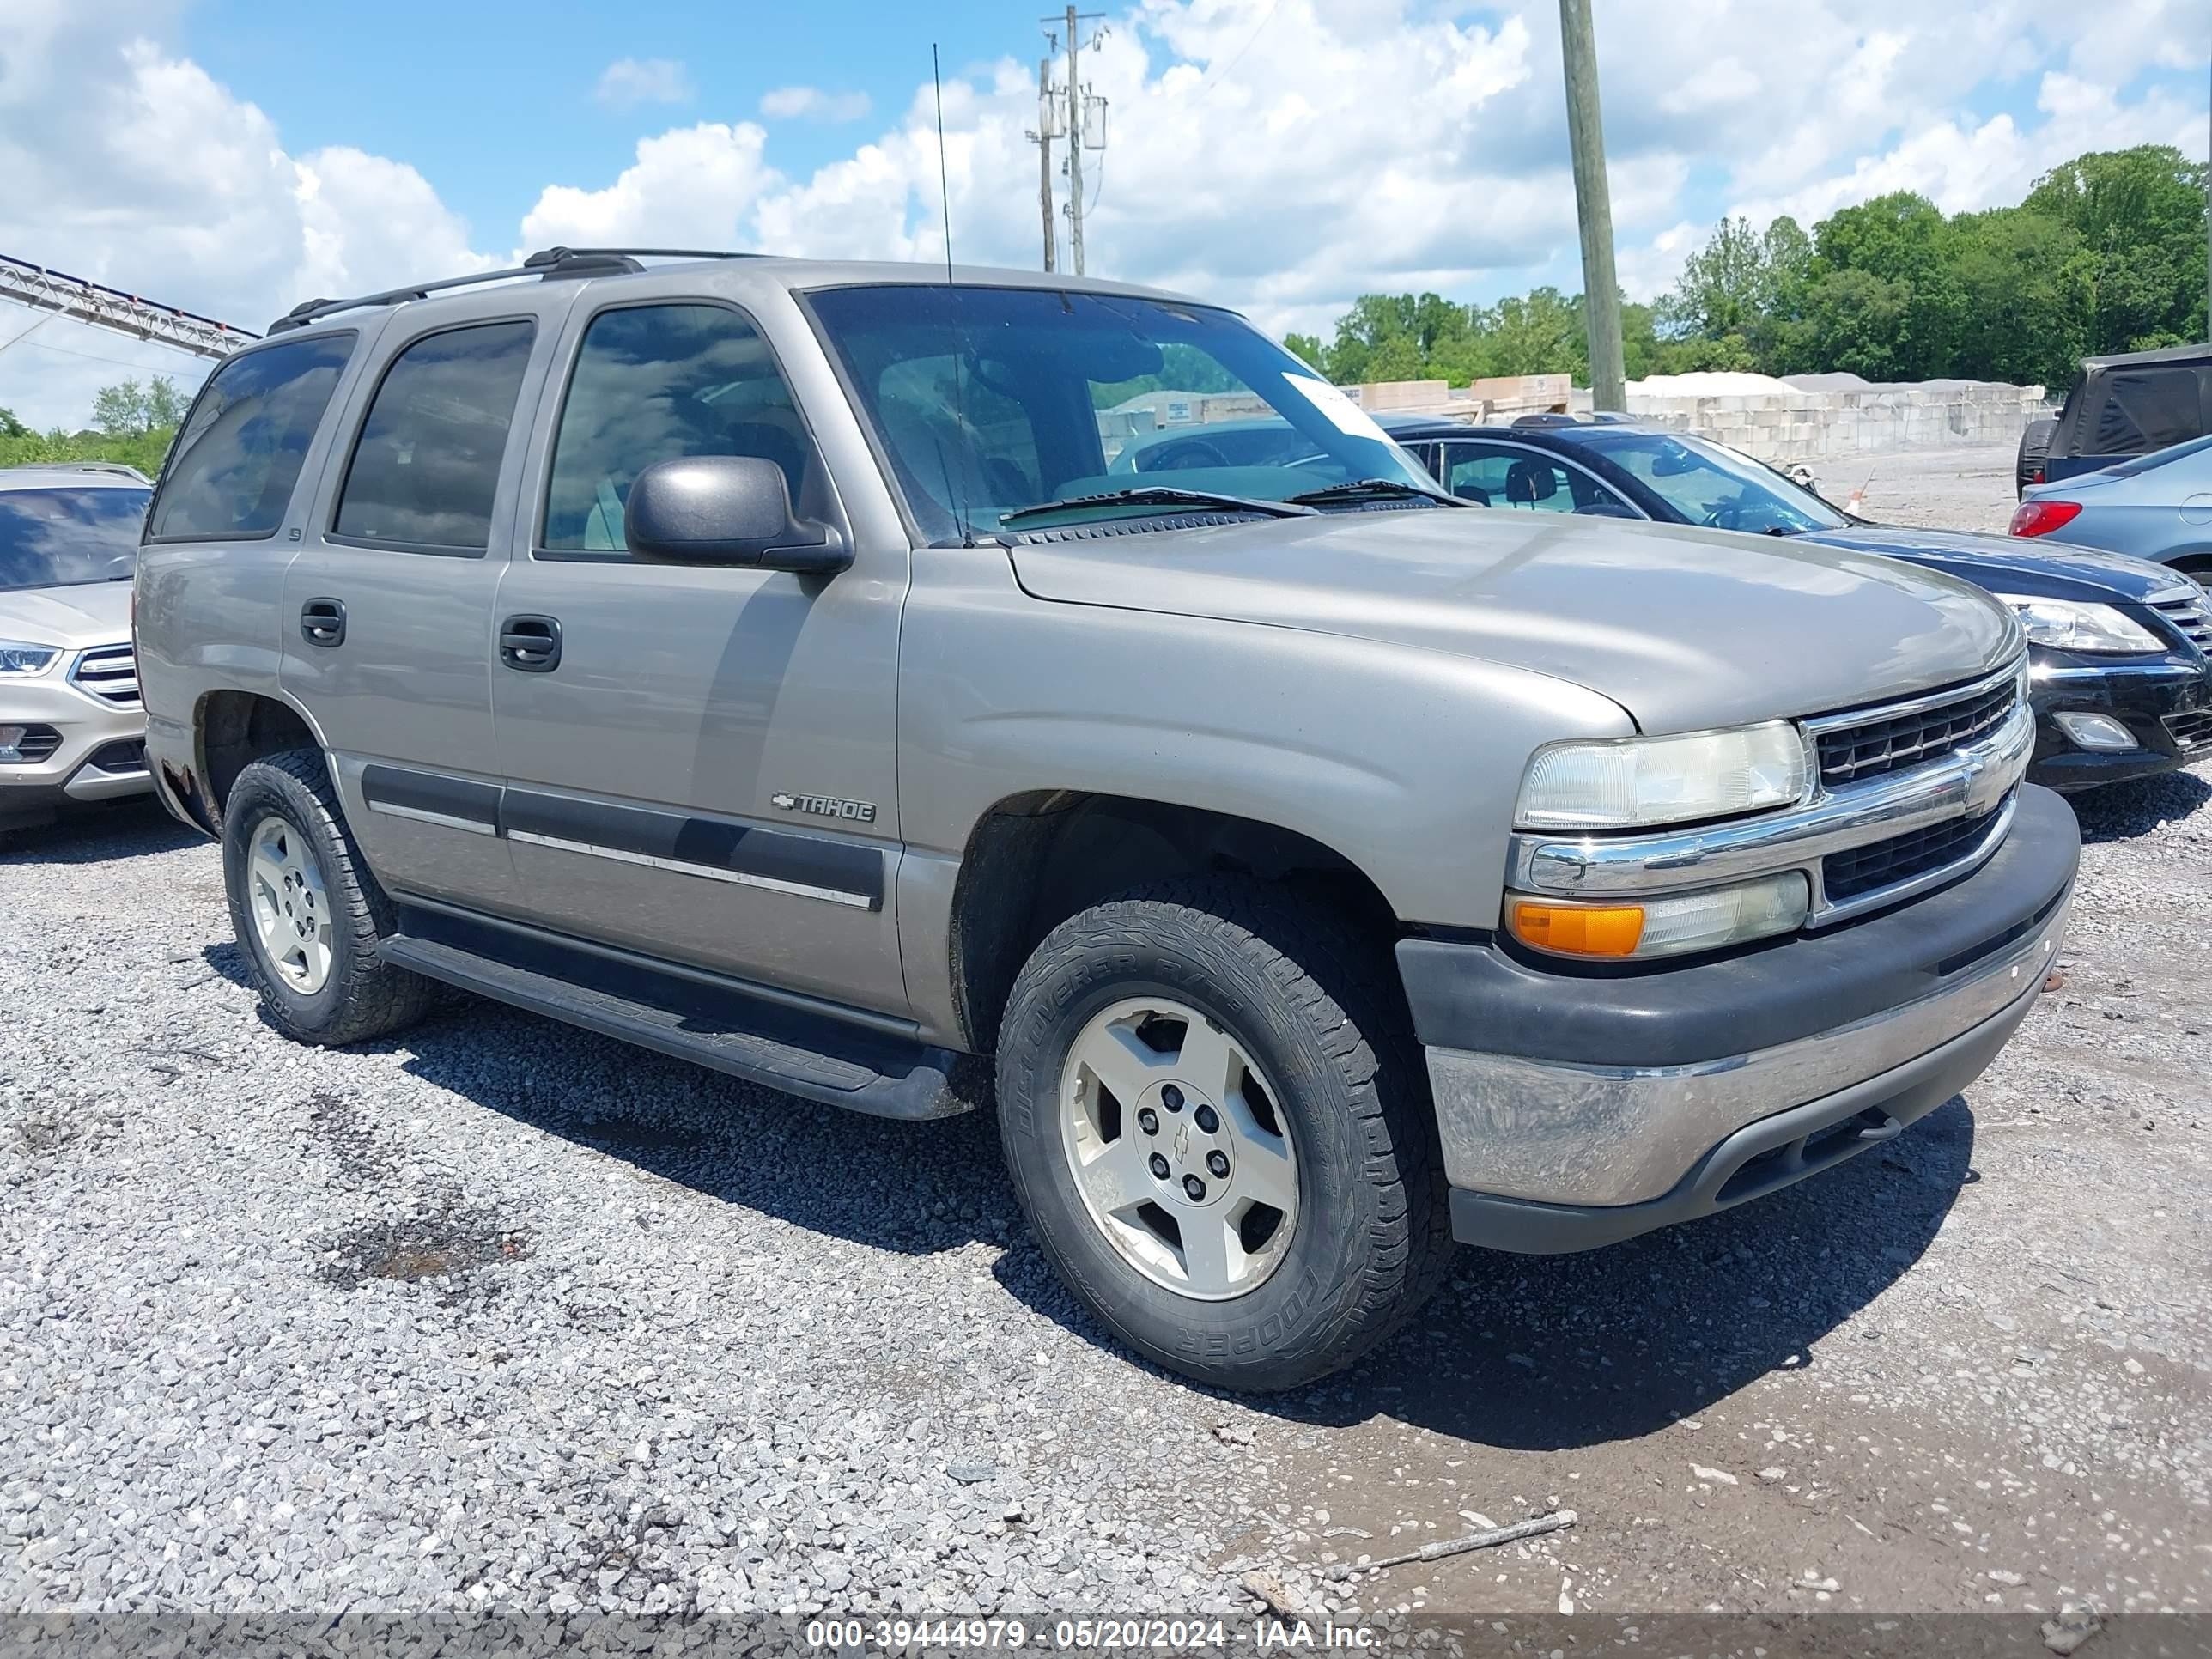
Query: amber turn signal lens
(1579, 930)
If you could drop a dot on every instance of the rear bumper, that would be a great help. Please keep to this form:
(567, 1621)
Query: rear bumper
(1574, 1111)
(2167, 708)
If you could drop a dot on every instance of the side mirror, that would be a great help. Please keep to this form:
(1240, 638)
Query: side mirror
(725, 509)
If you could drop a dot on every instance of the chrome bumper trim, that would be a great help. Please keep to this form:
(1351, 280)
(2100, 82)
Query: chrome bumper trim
(1970, 782)
(1560, 1133)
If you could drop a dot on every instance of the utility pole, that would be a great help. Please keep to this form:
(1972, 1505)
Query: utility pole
(1593, 206)
(1073, 21)
(1047, 131)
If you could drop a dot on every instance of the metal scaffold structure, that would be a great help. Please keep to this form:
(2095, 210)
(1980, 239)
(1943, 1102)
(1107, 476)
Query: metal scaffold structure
(56, 294)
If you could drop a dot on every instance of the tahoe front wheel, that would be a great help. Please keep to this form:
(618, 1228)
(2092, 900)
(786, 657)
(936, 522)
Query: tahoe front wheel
(1216, 1120)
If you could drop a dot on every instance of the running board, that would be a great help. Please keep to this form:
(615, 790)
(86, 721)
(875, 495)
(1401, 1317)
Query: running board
(718, 1025)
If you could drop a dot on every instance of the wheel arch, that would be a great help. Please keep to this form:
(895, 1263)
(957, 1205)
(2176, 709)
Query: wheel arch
(1037, 858)
(231, 729)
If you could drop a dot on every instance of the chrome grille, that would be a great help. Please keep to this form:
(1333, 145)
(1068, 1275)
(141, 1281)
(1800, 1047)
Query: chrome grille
(2190, 615)
(1883, 742)
(1882, 864)
(2193, 730)
(109, 672)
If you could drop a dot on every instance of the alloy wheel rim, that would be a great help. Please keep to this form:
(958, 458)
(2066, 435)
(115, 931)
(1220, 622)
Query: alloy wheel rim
(290, 904)
(1178, 1146)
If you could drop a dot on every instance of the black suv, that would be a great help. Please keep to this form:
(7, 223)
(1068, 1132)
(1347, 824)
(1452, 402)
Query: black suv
(2121, 689)
(2120, 406)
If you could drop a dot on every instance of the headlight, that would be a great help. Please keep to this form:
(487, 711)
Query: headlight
(1620, 783)
(1670, 925)
(2071, 625)
(18, 658)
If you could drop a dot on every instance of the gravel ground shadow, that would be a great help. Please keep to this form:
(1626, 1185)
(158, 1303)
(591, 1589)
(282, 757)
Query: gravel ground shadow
(96, 834)
(1553, 1353)
(2122, 812)
(909, 1187)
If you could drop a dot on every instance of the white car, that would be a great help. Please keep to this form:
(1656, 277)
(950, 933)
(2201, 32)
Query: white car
(72, 728)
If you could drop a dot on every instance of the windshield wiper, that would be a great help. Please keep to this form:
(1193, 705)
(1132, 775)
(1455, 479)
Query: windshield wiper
(1361, 489)
(1160, 495)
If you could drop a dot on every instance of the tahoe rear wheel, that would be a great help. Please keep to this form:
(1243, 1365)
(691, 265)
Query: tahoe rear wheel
(306, 912)
(1217, 1121)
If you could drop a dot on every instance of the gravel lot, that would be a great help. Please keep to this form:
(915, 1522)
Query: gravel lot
(504, 1315)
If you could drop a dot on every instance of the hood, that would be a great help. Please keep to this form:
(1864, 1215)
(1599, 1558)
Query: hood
(1683, 628)
(2040, 568)
(81, 614)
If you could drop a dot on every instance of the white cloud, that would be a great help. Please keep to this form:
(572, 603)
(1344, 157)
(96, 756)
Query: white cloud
(628, 82)
(689, 188)
(1285, 155)
(813, 104)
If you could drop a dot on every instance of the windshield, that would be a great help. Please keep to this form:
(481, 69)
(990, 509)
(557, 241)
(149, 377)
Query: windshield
(53, 538)
(990, 400)
(1708, 484)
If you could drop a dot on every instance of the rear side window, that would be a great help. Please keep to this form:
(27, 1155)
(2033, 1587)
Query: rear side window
(2148, 409)
(426, 467)
(659, 383)
(232, 470)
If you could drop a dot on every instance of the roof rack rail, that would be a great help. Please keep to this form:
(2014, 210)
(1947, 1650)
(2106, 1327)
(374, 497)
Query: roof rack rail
(550, 263)
(118, 467)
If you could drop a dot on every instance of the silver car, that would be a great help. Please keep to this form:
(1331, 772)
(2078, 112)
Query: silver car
(2156, 506)
(71, 729)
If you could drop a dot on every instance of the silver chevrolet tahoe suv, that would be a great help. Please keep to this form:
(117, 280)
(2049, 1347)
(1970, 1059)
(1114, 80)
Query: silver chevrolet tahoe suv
(762, 661)
(70, 729)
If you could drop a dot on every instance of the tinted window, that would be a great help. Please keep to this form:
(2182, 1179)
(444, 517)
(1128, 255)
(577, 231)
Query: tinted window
(655, 383)
(426, 465)
(50, 537)
(238, 455)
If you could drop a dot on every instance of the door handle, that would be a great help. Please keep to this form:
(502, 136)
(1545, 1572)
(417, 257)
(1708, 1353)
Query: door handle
(530, 645)
(322, 621)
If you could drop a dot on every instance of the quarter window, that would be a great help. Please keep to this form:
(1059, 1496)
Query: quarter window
(232, 470)
(660, 383)
(426, 467)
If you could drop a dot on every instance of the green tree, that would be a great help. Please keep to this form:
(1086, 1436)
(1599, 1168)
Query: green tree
(2139, 213)
(1854, 320)
(2027, 293)
(1899, 240)
(1724, 285)
(11, 427)
(130, 410)
(1308, 346)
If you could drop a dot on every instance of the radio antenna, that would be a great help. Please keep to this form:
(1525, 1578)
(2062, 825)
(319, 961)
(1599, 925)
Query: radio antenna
(944, 180)
(952, 293)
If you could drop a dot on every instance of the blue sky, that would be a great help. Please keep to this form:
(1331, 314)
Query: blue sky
(1283, 156)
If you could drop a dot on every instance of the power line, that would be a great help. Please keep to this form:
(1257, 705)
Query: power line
(89, 356)
(1215, 77)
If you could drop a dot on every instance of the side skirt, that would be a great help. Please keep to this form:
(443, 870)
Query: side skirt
(779, 1039)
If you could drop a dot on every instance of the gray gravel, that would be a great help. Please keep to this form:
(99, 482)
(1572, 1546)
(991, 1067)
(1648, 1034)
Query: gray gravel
(501, 1314)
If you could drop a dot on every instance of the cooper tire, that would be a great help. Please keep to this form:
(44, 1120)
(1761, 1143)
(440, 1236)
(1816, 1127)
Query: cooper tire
(356, 995)
(1317, 1009)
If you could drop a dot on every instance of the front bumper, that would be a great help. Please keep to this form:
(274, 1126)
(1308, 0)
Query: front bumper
(2166, 704)
(99, 753)
(1576, 1109)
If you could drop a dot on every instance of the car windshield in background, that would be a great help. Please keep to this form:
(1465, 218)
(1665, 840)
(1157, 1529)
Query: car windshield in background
(990, 401)
(1710, 485)
(53, 538)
